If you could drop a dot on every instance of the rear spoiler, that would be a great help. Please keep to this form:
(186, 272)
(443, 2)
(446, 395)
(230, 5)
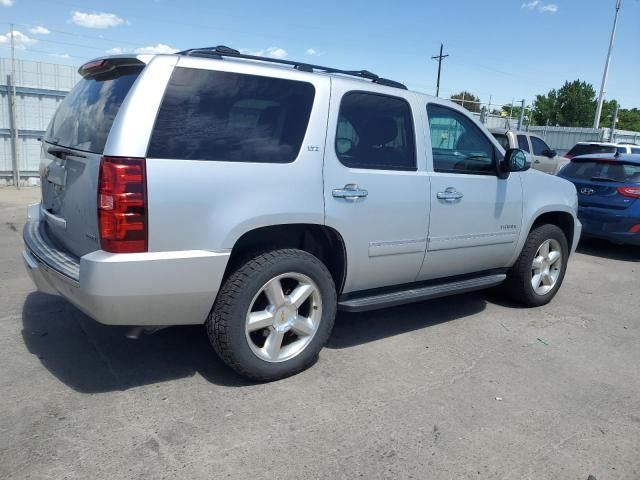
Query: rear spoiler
(106, 65)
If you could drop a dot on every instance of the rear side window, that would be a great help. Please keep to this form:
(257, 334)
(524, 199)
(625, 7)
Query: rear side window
(85, 116)
(603, 170)
(635, 150)
(578, 150)
(232, 117)
(523, 144)
(375, 131)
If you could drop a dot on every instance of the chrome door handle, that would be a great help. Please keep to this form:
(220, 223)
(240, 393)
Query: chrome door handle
(450, 195)
(351, 191)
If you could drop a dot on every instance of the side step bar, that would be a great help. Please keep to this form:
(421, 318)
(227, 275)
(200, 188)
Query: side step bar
(417, 294)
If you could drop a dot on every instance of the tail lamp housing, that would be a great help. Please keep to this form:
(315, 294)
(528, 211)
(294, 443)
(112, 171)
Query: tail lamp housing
(122, 204)
(633, 192)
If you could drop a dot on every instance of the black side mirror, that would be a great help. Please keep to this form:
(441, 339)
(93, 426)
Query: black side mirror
(549, 153)
(515, 160)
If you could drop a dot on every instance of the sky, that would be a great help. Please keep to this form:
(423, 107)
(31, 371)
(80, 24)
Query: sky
(499, 50)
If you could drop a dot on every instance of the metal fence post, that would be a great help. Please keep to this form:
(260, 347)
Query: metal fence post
(13, 130)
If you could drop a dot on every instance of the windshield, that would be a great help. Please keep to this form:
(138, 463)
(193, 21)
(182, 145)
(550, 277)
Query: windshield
(85, 116)
(603, 170)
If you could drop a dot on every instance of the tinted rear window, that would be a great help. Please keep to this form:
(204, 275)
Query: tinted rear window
(502, 140)
(210, 115)
(590, 150)
(603, 171)
(85, 116)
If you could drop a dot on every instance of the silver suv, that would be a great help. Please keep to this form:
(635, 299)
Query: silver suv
(258, 196)
(543, 157)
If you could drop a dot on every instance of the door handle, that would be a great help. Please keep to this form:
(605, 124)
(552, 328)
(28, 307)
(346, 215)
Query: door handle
(351, 191)
(449, 195)
(536, 161)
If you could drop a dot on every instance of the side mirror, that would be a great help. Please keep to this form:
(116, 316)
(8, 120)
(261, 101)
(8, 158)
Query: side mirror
(515, 160)
(549, 153)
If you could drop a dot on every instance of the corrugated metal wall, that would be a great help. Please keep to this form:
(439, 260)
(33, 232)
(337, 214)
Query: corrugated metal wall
(40, 87)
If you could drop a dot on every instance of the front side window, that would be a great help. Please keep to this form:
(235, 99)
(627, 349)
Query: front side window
(539, 147)
(375, 131)
(502, 139)
(522, 143)
(232, 117)
(458, 145)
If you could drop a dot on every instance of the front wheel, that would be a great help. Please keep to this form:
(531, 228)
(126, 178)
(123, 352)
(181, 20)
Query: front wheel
(538, 273)
(273, 314)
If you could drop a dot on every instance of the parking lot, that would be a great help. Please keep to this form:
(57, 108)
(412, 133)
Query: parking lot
(463, 387)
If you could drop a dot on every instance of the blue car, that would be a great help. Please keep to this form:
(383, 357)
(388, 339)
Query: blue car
(608, 195)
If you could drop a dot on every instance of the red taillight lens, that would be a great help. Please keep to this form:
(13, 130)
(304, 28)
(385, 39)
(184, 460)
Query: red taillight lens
(629, 191)
(635, 228)
(568, 157)
(122, 205)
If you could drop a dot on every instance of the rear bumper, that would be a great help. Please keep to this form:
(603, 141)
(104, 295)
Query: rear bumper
(146, 289)
(608, 225)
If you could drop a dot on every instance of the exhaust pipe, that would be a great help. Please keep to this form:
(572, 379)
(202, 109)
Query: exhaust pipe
(134, 333)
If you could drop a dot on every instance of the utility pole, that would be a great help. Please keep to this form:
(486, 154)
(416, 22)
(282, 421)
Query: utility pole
(439, 58)
(614, 120)
(603, 86)
(12, 114)
(521, 119)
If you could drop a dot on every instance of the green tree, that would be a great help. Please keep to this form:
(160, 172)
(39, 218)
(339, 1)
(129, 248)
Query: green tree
(576, 104)
(573, 105)
(545, 109)
(629, 119)
(607, 111)
(468, 100)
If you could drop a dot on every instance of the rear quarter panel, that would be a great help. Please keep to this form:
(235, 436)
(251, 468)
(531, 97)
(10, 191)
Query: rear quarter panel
(209, 205)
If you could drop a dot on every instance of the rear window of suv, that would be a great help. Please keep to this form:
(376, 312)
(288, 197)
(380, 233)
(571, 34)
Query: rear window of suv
(233, 117)
(85, 116)
(578, 150)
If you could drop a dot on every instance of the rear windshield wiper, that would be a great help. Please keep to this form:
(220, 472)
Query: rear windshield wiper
(63, 152)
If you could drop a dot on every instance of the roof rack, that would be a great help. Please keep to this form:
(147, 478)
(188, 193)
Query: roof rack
(221, 51)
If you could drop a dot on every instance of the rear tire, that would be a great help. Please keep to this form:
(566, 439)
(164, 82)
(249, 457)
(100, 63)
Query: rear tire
(539, 271)
(273, 314)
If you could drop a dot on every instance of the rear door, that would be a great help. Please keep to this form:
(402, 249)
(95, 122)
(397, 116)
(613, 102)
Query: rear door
(541, 156)
(71, 152)
(374, 194)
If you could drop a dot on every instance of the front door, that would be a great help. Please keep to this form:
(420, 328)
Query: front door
(475, 217)
(374, 194)
(542, 158)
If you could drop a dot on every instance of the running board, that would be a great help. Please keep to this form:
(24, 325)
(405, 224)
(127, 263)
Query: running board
(418, 294)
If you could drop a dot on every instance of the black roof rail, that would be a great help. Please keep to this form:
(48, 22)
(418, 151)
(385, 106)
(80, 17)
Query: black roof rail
(221, 51)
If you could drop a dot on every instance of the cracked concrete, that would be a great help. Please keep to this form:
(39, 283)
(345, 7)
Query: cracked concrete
(408, 392)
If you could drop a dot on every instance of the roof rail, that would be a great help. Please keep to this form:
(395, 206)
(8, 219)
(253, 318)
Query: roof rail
(221, 51)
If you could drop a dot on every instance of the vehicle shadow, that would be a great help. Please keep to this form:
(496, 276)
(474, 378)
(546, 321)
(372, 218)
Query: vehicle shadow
(93, 358)
(602, 248)
(353, 329)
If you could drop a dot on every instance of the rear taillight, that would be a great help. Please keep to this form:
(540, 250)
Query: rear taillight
(567, 156)
(122, 205)
(629, 191)
(635, 228)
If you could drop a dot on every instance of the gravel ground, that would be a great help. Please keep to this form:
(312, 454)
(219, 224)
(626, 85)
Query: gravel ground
(467, 387)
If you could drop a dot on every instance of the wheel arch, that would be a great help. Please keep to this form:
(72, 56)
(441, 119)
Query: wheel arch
(319, 240)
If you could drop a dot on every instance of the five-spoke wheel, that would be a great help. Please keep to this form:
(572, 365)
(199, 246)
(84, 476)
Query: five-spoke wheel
(283, 317)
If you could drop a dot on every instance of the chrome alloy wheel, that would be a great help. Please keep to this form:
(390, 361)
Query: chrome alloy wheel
(546, 266)
(283, 317)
